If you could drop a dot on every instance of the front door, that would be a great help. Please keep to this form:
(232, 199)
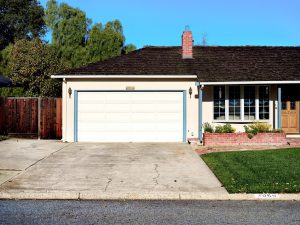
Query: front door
(290, 116)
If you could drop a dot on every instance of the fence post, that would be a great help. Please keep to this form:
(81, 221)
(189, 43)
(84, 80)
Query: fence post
(3, 116)
(39, 117)
(58, 102)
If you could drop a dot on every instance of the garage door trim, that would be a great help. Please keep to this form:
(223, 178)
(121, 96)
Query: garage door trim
(184, 138)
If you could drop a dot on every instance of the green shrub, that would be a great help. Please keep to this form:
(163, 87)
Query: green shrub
(226, 128)
(257, 127)
(208, 128)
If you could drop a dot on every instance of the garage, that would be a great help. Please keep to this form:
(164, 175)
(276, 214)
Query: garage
(130, 116)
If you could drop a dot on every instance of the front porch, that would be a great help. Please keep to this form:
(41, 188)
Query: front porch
(242, 103)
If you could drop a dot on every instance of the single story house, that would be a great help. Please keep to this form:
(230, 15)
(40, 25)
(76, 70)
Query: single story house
(165, 94)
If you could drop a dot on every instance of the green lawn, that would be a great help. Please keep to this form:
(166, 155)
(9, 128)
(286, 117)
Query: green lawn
(267, 171)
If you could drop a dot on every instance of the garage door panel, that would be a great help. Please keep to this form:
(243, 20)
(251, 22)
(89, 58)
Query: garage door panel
(166, 108)
(150, 127)
(93, 127)
(143, 108)
(126, 126)
(154, 118)
(105, 136)
(139, 137)
(104, 117)
(130, 116)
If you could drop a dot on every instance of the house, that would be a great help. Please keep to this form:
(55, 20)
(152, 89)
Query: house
(165, 94)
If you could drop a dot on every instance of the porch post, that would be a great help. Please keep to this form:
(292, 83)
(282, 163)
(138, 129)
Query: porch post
(279, 107)
(200, 99)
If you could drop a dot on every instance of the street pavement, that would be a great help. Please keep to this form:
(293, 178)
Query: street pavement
(150, 212)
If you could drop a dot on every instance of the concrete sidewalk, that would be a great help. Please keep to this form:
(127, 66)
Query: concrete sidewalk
(100, 195)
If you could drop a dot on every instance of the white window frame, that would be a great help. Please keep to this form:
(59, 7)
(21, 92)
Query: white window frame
(242, 105)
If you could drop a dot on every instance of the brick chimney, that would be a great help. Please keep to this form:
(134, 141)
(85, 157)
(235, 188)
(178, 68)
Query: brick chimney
(187, 44)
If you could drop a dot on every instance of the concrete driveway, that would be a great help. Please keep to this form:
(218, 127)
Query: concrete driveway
(110, 169)
(18, 155)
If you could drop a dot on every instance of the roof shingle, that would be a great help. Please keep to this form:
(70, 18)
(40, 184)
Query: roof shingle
(210, 64)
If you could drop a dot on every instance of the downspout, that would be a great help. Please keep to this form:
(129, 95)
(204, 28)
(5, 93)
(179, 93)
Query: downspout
(64, 124)
(200, 102)
(279, 107)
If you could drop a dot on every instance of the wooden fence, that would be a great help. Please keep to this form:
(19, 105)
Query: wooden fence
(31, 117)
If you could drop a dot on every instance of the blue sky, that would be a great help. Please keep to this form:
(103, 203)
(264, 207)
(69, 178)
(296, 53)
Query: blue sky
(225, 22)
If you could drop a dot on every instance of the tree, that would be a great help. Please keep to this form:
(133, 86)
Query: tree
(20, 19)
(69, 25)
(4, 70)
(128, 48)
(105, 43)
(31, 64)
(4, 59)
(77, 43)
(70, 28)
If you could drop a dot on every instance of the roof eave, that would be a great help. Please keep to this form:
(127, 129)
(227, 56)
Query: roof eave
(124, 76)
(250, 82)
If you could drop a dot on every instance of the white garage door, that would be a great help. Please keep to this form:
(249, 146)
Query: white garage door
(130, 117)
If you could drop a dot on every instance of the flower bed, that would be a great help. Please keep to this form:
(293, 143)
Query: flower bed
(232, 139)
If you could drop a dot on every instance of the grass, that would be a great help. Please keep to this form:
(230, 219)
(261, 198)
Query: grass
(268, 171)
(2, 138)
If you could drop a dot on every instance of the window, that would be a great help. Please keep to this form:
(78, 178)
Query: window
(249, 103)
(234, 103)
(219, 103)
(283, 105)
(292, 105)
(263, 102)
(241, 103)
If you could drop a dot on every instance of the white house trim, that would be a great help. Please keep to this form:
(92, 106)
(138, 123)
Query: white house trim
(250, 82)
(125, 76)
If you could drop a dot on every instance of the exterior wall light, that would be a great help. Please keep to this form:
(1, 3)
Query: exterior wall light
(70, 92)
(190, 92)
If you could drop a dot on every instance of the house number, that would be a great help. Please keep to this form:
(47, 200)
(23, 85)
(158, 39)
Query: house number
(266, 196)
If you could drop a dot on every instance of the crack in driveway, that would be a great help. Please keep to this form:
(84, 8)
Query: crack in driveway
(107, 184)
(155, 179)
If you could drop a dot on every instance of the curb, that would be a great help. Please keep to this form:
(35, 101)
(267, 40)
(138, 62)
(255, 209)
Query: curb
(146, 196)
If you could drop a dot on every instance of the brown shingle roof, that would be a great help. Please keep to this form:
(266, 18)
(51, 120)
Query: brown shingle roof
(210, 64)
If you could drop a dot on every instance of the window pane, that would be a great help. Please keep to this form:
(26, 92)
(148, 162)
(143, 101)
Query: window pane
(292, 105)
(234, 103)
(263, 102)
(283, 105)
(219, 102)
(251, 117)
(249, 102)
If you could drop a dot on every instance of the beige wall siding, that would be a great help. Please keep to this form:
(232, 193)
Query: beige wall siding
(192, 103)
